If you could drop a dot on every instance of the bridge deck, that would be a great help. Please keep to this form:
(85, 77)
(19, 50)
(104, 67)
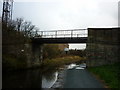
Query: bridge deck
(60, 40)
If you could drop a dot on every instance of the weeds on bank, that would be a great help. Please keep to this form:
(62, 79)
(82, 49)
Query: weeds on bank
(58, 62)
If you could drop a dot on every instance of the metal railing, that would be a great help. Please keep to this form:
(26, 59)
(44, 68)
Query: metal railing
(62, 33)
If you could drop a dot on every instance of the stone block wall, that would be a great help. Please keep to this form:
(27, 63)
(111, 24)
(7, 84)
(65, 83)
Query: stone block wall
(102, 46)
(22, 55)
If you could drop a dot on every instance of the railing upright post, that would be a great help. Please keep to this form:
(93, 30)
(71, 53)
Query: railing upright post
(41, 33)
(56, 34)
(77, 35)
(71, 33)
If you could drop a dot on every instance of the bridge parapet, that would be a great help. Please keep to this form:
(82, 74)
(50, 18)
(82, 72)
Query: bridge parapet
(62, 33)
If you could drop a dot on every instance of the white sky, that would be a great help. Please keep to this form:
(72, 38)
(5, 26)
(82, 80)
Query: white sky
(67, 14)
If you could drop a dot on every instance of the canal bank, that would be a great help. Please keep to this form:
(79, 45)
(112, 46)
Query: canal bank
(76, 76)
(108, 74)
(33, 78)
(60, 79)
(73, 76)
(69, 76)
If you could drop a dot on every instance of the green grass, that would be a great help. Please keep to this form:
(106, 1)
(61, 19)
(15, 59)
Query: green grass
(108, 73)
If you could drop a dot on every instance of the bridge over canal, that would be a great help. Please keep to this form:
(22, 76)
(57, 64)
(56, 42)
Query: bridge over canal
(102, 43)
(61, 36)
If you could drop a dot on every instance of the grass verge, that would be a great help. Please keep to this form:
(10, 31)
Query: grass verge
(108, 73)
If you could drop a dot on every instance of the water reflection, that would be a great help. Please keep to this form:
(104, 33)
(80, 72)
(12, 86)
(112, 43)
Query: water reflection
(71, 66)
(29, 79)
(79, 66)
(35, 78)
(48, 82)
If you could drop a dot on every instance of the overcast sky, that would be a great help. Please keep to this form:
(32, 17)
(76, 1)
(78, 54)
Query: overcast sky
(67, 14)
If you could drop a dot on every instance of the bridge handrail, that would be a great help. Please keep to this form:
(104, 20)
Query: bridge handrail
(63, 30)
(65, 34)
(59, 33)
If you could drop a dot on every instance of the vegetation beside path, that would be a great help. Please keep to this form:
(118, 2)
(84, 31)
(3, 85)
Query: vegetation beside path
(108, 73)
(61, 61)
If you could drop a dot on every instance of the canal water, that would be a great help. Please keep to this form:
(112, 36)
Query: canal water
(29, 79)
(34, 78)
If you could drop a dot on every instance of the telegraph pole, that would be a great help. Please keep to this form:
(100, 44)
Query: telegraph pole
(7, 11)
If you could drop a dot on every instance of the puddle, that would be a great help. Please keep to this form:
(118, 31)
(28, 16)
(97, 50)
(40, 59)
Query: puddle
(80, 66)
(71, 66)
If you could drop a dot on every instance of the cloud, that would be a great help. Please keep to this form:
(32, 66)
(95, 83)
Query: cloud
(119, 14)
(67, 14)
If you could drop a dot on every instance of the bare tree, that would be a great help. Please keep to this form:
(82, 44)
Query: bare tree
(28, 28)
(12, 25)
(23, 26)
(19, 23)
